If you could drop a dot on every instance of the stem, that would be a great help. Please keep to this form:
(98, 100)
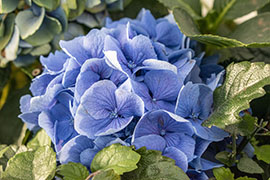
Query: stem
(234, 151)
(92, 175)
(27, 73)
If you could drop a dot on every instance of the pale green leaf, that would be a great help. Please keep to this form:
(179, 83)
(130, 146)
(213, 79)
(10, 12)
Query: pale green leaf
(31, 165)
(48, 4)
(248, 165)
(107, 175)
(40, 139)
(244, 82)
(223, 174)
(117, 157)
(154, 166)
(6, 6)
(263, 153)
(28, 23)
(9, 27)
(73, 171)
(73, 13)
(247, 125)
(13, 45)
(41, 50)
(246, 178)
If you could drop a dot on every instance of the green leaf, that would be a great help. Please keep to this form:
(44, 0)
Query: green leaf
(154, 166)
(247, 165)
(6, 6)
(244, 82)
(73, 13)
(184, 4)
(246, 178)
(31, 165)
(11, 127)
(117, 157)
(107, 175)
(73, 171)
(46, 32)
(224, 157)
(48, 4)
(13, 45)
(9, 22)
(41, 50)
(28, 23)
(41, 139)
(254, 32)
(247, 125)
(4, 76)
(263, 153)
(237, 39)
(232, 9)
(223, 174)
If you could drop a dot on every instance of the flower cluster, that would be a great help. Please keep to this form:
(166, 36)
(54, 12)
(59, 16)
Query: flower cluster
(136, 82)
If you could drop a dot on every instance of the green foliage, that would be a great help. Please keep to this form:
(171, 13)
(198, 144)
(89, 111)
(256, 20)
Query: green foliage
(107, 175)
(225, 158)
(263, 153)
(8, 23)
(117, 157)
(7, 6)
(223, 174)
(154, 166)
(248, 165)
(48, 4)
(41, 139)
(244, 82)
(73, 171)
(247, 125)
(31, 165)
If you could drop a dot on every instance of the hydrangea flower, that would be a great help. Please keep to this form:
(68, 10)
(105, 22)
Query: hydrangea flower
(137, 82)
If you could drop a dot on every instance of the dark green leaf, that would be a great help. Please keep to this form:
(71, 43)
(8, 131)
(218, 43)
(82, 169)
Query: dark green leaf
(117, 157)
(264, 9)
(41, 139)
(232, 9)
(247, 165)
(223, 174)
(246, 178)
(154, 166)
(28, 23)
(31, 165)
(107, 175)
(263, 153)
(224, 157)
(6, 6)
(73, 171)
(9, 22)
(11, 125)
(247, 125)
(244, 82)
(48, 4)
(195, 5)
(4, 76)
(255, 31)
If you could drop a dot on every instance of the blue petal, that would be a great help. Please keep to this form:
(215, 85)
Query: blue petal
(179, 157)
(118, 78)
(194, 101)
(87, 156)
(46, 122)
(99, 100)
(25, 103)
(151, 141)
(71, 152)
(154, 64)
(54, 63)
(71, 72)
(128, 104)
(148, 22)
(195, 175)
(164, 85)
(40, 84)
(201, 146)
(182, 142)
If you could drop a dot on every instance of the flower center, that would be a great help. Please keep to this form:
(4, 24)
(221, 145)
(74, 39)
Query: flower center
(114, 114)
(131, 64)
(162, 132)
(154, 99)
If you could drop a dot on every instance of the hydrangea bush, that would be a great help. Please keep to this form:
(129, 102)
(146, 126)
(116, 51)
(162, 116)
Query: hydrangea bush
(136, 82)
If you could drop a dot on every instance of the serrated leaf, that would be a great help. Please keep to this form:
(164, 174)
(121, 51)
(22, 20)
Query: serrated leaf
(223, 174)
(73, 171)
(107, 175)
(46, 32)
(28, 23)
(6, 6)
(191, 29)
(247, 125)
(48, 4)
(254, 32)
(224, 157)
(154, 166)
(9, 22)
(246, 178)
(186, 5)
(247, 165)
(40, 139)
(232, 9)
(31, 165)
(117, 157)
(263, 153)
(244, 82)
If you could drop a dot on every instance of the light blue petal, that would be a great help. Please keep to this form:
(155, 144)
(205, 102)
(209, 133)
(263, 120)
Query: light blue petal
(151, 141)
(179, 157)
